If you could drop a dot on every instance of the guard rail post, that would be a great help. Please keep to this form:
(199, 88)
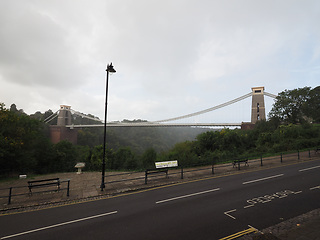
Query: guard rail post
(281, 157)
(68, 189)
(10, 194)
(212, 168)
(146, 177)
(309, 154)
(181, 172)
(261, 161)
(298, 155)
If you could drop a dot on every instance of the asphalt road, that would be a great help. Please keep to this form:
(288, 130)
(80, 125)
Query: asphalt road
(214, 208)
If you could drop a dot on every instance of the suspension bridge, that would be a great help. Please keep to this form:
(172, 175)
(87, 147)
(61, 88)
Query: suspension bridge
(257, 94)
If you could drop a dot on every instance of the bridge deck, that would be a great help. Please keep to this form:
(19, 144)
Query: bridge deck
(146, 124)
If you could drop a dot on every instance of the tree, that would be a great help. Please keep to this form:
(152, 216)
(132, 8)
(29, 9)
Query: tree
(148, 158)
(312, 108)
(23, 143)
(125, 158)
(291, 105)
(66, 157)
(13, 108)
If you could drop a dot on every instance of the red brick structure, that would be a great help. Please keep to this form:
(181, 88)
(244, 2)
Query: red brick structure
(59, 133)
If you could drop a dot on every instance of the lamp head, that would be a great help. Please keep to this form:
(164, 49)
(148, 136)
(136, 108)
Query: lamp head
(110, 68)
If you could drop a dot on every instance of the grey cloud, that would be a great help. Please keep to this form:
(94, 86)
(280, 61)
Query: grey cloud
(171, 57)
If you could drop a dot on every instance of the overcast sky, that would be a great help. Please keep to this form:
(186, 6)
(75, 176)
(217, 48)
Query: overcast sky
(173, 57)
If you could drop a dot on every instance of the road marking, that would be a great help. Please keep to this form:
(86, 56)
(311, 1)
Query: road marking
(240, 234)
(248, 206)
(262, 179)
(313, 188)
(189, 195)
(58, 225)
(269, 197)
(227, 213)
(306, 169)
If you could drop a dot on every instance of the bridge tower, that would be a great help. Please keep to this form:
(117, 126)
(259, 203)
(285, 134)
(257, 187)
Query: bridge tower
(64, 117)
(258, 111)
(60, 132)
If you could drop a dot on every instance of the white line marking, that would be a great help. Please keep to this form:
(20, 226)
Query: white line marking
(58, 225)
(313, 188)
(298, 192)
(189, 195)
(306, 169)
(261, 179)
(248, 206)
(227, 213)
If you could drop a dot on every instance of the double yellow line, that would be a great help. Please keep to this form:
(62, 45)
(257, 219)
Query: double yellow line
(240, 234)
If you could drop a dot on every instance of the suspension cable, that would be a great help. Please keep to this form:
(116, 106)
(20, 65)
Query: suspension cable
(84, 116)
(51, 117)
(270, 95)
(207, 110)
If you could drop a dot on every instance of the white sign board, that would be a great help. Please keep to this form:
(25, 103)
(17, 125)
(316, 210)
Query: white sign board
(167, 164)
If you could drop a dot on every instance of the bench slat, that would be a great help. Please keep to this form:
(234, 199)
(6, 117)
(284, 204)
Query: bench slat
(44, 180)
(44, 184)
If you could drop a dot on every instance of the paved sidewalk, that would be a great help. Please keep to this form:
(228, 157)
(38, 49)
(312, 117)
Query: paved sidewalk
(304, 227)
(86, 186)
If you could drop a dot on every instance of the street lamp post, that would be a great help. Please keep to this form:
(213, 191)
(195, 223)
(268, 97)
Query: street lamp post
(109, 69)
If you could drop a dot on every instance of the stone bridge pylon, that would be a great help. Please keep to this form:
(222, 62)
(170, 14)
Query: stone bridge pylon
(258, 111)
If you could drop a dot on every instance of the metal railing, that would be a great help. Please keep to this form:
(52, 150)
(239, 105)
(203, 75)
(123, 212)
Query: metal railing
(214, 166)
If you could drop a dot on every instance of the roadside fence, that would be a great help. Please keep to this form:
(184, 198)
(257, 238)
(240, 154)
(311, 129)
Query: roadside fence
(222, 166)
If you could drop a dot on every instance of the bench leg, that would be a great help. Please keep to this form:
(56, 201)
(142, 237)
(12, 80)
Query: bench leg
(30, 192)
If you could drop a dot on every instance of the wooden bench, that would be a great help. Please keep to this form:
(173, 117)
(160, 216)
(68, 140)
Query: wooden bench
(155, 171)
(44, 183)
(238, 161)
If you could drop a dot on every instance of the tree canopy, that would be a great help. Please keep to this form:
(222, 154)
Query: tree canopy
(297, 106)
